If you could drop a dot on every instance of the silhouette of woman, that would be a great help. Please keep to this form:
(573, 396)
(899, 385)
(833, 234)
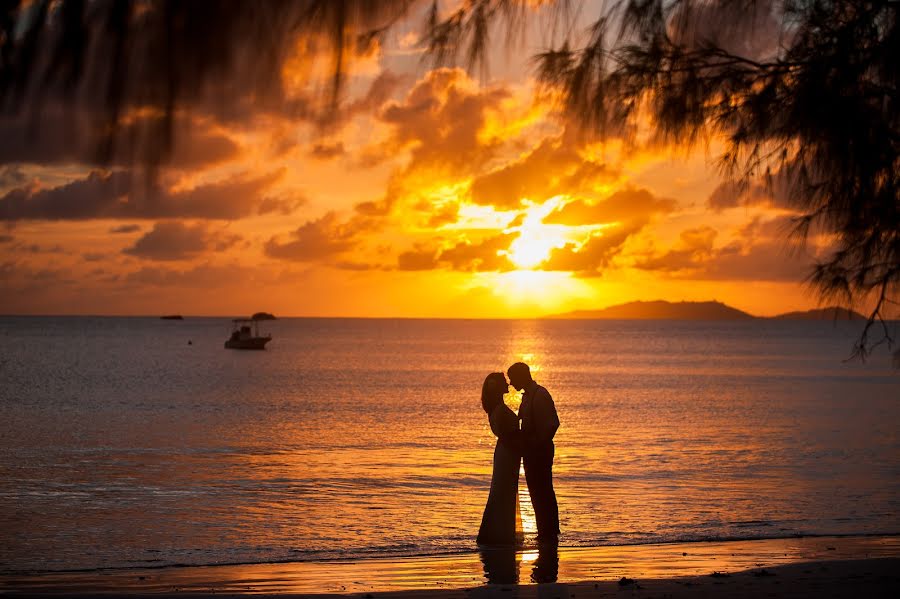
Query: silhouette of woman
(501, 523)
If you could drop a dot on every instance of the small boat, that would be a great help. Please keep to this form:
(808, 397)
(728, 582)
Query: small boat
(245, 335)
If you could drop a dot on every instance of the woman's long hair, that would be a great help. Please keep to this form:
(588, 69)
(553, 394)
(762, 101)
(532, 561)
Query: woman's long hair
(492, 391)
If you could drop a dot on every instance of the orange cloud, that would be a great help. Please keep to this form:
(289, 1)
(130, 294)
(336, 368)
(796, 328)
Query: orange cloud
(628, 205)
(776, 192)
(485, 255)
(439, 120)
(315, 240)
(758, 254)
(591, 257)
(70, 136)
(178, 241)
(123, 194)
(552, 168)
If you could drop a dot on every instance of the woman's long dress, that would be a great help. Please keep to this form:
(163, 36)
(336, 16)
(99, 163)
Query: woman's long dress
(501, 523)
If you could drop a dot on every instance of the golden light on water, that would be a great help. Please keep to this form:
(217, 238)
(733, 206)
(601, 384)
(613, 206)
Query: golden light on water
(526, 511)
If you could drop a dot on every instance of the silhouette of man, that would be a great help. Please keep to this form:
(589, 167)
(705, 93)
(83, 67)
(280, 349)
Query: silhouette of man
(539, 424)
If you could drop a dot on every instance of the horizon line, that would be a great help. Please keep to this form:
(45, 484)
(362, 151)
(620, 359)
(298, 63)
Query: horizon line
(326, 317)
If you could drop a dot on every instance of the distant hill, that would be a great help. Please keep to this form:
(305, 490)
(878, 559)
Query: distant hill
(832, 313)
(662, 310)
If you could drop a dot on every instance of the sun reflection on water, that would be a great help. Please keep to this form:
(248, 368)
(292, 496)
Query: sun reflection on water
(526, 511)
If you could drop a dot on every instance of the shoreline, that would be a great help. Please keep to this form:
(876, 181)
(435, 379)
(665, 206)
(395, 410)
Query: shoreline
(469, 572)
(376, 556)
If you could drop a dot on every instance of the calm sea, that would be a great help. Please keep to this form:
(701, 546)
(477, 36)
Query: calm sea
(122, 445)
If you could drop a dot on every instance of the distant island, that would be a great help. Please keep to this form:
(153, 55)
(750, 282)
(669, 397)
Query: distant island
(263, 316)
(172, 317)
(834, 313)
(663, 310)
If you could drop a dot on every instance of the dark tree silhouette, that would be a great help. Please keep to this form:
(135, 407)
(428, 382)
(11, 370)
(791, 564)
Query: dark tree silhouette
(130, 65)
(804, 92)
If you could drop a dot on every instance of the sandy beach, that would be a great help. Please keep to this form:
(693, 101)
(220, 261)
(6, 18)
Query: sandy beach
(796, 567)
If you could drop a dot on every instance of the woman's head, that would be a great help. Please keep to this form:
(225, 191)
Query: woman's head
(493, 390)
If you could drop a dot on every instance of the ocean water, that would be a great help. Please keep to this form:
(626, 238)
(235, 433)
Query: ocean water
(123, 446)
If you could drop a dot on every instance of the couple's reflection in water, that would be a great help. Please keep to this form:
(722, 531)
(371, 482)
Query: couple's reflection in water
(501, 565)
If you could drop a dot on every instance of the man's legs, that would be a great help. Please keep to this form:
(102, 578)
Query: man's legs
(539, 477)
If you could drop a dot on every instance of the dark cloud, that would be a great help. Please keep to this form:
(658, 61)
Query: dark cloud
(120, 229)
(759, 257)
(283, 204)
(69, 137)
(318, 239)
(767, 261)
(440, 120)
(552, 168)
(442, 216)
(121, 194)
(98, 195)
(4, 238)
(775, 191)
(380, 91)
(229, 199)
(420, 258)
(169, 241)
(484, 255)
(694, 249)
(327, 151)
(36, 248)
(625, 206)
(27, 287)
(201, 276)
(480, 256)
(358, 266)
(383, 87)
(12, 176)
(203, 148)
(383, 206)
(590, 258)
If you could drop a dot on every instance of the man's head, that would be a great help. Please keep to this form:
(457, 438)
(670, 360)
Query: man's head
(519, 375)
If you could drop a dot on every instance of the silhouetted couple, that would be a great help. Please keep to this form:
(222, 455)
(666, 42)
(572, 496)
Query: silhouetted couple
(531, 443)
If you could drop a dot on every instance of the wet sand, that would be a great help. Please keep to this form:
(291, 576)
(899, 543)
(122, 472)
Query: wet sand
(796, 567)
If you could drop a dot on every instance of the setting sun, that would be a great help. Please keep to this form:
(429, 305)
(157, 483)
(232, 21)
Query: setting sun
(528, 252)
(536, 240)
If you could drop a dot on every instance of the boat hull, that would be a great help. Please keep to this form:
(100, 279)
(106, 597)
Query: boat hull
(252, 343)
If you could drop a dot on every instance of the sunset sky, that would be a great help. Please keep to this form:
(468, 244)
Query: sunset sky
(431, 193)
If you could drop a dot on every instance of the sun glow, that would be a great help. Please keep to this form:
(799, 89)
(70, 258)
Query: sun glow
(536, 240)
(538, 291)
(528, 251)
